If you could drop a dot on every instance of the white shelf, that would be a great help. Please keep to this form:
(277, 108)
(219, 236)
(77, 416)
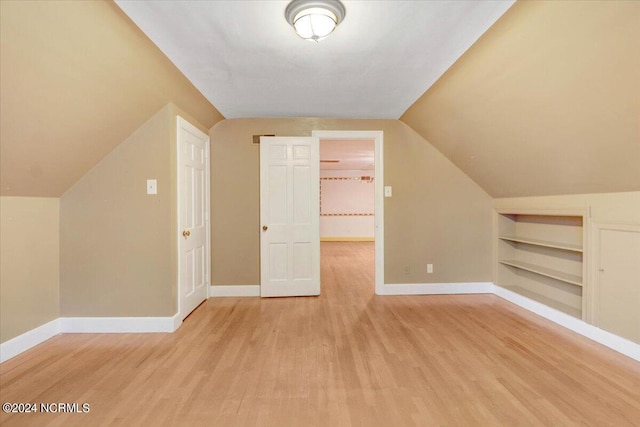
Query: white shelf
(548, 245)
(544, 243)
(572, 311)
(544, 271)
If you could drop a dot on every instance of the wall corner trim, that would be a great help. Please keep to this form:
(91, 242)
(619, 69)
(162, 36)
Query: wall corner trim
(29, 339)
(234, 291)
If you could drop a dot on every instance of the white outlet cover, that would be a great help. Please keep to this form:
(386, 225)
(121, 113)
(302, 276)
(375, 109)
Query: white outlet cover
(152, 186)
(387, 191)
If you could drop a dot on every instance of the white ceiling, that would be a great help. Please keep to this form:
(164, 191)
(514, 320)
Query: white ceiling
(248, 62)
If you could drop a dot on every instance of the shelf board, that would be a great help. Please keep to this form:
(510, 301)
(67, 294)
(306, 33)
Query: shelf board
(572, 311)
(545, 243)
(544, 271)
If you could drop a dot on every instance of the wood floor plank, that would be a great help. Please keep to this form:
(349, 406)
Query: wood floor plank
(345, 358)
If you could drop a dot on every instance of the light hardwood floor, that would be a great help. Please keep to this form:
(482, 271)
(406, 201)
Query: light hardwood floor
(346, 358)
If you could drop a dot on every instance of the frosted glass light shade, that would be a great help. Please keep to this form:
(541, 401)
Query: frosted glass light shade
(315, 23)
(314, 20)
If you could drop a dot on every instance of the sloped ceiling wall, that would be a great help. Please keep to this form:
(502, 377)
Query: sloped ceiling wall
(546, 102)
(77, 78)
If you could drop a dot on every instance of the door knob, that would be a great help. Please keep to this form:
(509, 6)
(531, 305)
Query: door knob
(265, 228)
(186, 233)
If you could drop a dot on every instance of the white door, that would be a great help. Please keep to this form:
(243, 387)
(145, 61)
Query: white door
(289, 216)
(619, 283)
(193, 216)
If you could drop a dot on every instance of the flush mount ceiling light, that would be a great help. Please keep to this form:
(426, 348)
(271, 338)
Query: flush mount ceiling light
(314, 20)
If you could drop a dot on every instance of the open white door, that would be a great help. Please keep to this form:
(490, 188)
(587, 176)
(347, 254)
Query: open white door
(193, 216)
(289, 216)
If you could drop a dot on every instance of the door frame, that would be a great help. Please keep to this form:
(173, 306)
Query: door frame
(182, 122)
(378, 138)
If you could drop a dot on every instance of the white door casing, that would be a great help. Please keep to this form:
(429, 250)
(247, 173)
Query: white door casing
(289, 216)
(193, 217)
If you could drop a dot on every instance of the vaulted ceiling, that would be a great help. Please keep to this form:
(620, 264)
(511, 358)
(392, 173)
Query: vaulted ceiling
(546, 101)
(77, 78)
(248, 62)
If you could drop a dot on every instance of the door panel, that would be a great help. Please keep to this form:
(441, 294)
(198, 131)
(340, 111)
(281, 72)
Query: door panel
(289, 214)
(619, 283)
(193, 189)
(301, 196)
(277, 195)
(302, 253)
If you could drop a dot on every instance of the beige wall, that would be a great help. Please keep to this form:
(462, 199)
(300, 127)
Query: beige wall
(547, 101)
(436, 215)
(77, 77)
(29, 264)
(118, 244)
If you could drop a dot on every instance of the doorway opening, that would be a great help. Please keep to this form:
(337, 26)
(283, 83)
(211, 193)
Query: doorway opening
(351, 208)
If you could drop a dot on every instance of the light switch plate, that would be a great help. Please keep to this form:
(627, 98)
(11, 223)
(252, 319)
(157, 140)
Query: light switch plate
(152, 186)
(387, 191)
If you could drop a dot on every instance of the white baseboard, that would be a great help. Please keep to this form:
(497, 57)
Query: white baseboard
(437, 288)
(614, 342)
(29, 339)
(234, 291)
(177, 321)
(119, 324)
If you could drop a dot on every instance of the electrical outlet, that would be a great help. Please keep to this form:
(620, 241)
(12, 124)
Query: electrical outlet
(429, 268)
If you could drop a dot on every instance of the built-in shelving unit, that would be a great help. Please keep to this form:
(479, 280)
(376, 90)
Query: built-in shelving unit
(540, 255)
